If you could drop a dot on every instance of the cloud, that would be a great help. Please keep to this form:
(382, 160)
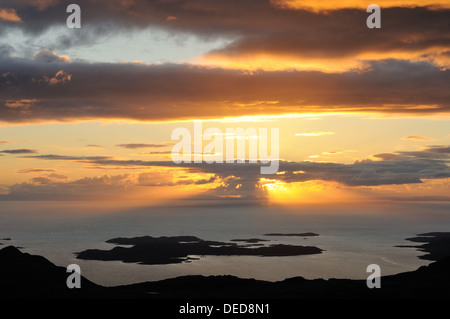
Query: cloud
(314, 134)
(167, 92)
(33, 170)
(72, 158)
(60, 77)
(338, 42)
(23, 103)
(57, 176)
(88, 188)
(416, 138)
(9, 15)
(390, 169)
(48, 56)
(328, 5)
(4, 142)
(19, 151)
(38, 4)
(168, 179)
(41, 180)
(238, 180)
(157, 153)
(433, 152)
(141, 145)
(263, 33)
(105, 187)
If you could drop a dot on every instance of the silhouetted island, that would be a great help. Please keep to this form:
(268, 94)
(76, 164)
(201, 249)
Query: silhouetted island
(437, 245)
(171, 250)
(27, 276)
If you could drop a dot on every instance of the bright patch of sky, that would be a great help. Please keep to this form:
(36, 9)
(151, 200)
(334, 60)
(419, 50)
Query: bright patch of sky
(145, 45)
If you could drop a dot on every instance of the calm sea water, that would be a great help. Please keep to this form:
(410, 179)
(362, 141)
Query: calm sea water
(352, 236)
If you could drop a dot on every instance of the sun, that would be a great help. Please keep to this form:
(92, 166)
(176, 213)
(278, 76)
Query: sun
(308, 192)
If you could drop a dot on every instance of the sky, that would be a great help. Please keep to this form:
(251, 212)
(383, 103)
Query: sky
(88, 113)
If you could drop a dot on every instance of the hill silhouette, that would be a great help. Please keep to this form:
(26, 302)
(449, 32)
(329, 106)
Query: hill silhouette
(28, 276)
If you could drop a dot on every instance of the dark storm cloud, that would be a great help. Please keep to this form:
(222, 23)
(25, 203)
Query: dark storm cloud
(175, 91)
(344, 34)
(82, 91)
(256, 26)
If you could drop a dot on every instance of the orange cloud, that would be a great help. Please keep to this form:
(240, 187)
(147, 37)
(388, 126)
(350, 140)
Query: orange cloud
(328, 5)
(271, 62)
(23, 103)
(248, 58)
(183, 91)
(9, 15)
(416, 138)
(60, 77)
(46, 55)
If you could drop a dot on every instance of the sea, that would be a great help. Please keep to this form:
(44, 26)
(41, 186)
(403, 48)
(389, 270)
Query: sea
(352, 236)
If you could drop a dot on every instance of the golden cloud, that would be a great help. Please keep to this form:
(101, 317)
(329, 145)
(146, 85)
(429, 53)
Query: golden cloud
(9, 15)
(328, 5)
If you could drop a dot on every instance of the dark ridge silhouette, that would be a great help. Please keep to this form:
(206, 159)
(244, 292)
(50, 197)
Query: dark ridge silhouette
(292, 234)
(26, 276)
(171, 250)
(437, 245)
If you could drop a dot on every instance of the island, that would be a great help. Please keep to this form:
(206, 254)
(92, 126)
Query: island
(150, 250)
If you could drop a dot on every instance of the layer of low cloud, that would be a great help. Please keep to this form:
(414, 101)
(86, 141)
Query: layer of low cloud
(90, 91)
(257, 30)
(19, 151)
(33, 170)
(244, 179)
(141, 145)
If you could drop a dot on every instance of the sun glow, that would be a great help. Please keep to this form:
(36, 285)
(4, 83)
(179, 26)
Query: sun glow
(309, 192)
